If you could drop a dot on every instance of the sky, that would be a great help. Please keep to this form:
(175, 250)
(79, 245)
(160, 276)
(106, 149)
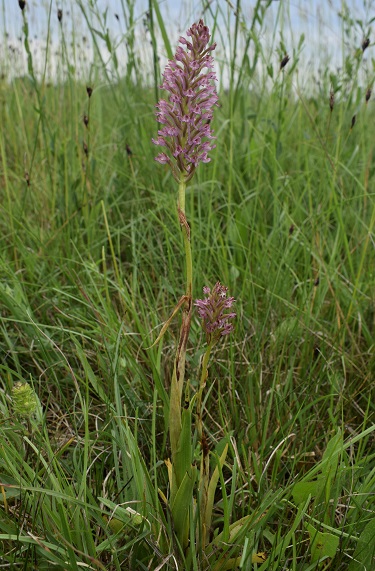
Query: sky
(285, 21)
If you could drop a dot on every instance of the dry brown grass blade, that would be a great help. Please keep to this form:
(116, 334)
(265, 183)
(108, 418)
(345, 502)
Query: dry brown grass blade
(180, 303)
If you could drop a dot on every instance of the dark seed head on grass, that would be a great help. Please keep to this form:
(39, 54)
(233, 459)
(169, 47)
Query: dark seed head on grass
(284, 61)
(22, 4)
(365, 44)
(59, 15)
(331, 100)
(368, 94)
(89, 90)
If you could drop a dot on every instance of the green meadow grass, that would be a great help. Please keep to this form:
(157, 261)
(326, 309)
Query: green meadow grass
(91, 266)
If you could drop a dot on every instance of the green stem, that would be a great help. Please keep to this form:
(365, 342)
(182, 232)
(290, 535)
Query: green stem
(204, 478)
(187, 311)
(179, 364)
(186, 236)
(202, 384)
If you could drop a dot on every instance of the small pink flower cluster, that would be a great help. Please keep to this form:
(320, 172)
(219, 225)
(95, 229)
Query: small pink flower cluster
(211, 310)
(187, 115)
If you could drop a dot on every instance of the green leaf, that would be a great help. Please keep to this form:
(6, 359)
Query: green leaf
(13, 491)
(99, 33)
(303, 490)
(175, 425)
(181, 505)
(97, 386)
(163, 30)
(287, 332)
(322, 544)
(122, 517)
(328, 465)
(183, 457)
(227, 565)
(212, 488)
(364, 554)
(301, 41)
(331, 455)
(234, 529)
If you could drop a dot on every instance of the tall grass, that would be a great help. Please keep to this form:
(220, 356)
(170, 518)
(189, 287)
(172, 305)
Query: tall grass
(90, 245)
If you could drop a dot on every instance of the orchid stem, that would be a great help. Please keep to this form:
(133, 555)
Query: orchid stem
(186, 237)
(202, 384)
(187, 311)
(179, 364)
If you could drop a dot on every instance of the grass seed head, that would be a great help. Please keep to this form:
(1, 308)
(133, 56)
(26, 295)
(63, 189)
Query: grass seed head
(331, 100)
(24, 400)
(284, 61)
(365, 44)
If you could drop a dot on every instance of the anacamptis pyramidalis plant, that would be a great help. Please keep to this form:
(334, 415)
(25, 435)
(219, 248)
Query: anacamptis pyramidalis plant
(186, 137)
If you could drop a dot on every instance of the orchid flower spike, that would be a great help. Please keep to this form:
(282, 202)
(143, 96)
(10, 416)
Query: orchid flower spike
(215, 322)
(187, 114)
